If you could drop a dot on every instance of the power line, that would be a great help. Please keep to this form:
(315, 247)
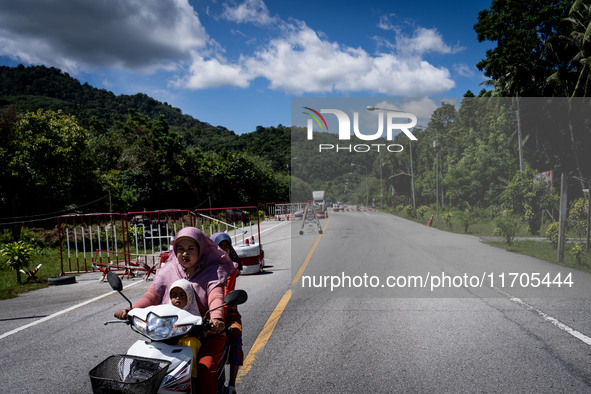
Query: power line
(47, 214)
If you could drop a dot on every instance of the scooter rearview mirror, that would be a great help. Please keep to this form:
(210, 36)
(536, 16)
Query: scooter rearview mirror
(236, 297)
(116, 284)
(114, 281)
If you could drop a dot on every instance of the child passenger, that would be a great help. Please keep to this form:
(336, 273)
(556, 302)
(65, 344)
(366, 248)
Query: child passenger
(182, 295)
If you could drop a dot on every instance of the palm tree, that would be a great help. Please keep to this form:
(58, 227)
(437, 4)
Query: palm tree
(580, 39)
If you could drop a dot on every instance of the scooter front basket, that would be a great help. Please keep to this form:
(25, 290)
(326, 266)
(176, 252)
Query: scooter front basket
(127, 374)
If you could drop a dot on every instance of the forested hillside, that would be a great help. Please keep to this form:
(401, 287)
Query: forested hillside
(69, 147)
(40, 87)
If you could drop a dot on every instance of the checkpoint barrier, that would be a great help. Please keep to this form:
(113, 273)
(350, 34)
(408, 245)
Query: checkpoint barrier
(243, 226)
(251, 256)
(285, 210)
(138, 243)
(152, 232)
(126, 265)
(80, 236)
(83, 239)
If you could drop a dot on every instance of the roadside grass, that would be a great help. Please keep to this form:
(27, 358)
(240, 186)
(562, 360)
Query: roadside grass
(544, 250)
(540, 248)
(49, 257)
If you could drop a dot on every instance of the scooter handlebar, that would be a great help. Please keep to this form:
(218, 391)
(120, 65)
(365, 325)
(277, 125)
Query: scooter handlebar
(201, 330)
(116, 321)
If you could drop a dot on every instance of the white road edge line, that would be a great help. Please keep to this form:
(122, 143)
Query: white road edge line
(46, 318)
(580, 336)
(263, 231)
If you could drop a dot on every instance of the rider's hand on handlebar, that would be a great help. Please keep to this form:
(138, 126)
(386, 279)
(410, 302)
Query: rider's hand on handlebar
(217, 326)
(121, 314)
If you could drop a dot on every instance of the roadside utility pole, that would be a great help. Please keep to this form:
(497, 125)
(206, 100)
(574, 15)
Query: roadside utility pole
(562, 218)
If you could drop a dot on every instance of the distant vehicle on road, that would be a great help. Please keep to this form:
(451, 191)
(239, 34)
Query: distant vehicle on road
(318, 197)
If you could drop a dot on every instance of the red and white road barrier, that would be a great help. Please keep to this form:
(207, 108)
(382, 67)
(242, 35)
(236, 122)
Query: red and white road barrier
(252, 257)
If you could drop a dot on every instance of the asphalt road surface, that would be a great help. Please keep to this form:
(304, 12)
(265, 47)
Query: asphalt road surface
(374, 304)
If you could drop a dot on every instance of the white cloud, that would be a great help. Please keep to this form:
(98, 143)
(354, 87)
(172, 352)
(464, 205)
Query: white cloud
(424, 41)
(302, 62)
(464, 70)
(210, 73)
(153, 35)
(79, 34)
(385, 23)
(251, 11)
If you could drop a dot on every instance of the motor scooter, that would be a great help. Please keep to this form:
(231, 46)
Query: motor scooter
(158, 365)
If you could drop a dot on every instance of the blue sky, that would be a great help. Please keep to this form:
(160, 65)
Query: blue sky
(239, 63)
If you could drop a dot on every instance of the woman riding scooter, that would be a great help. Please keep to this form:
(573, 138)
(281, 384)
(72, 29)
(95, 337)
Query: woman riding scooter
(199, 260)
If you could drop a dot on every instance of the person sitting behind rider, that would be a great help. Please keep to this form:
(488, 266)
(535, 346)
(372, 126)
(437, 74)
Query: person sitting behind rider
(233, 318)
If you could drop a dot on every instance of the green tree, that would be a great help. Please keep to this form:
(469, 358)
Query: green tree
(43, 163)
(527, 197)
(577, 251)
(577, 41)
(522, 61)
(480, 150)
(137, 162)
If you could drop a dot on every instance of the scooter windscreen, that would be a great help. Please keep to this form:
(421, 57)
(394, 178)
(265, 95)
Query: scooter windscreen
(162, 322)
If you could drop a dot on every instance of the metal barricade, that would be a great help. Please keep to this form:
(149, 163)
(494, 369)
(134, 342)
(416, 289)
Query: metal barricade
(139, 242)
(243, 225)
(80, 236)
(285, 210)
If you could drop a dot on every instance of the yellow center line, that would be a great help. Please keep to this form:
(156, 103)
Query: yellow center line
(264, 336)
(269, 326)
(300, 272)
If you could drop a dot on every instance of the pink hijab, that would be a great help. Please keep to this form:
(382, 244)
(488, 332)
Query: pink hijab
(214, 267)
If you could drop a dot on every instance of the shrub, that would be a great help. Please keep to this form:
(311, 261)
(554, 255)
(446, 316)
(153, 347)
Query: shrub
(422, 211)
(17, 256)
(409, 211)
(577, 217)
(577, 252)
(507, 227)
(405, 210)
(447, 218)
(467, 217)
(552, 233)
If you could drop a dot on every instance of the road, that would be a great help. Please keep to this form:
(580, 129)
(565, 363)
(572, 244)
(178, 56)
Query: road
(360, 335)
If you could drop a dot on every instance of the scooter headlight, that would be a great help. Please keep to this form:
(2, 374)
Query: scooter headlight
(158, 328)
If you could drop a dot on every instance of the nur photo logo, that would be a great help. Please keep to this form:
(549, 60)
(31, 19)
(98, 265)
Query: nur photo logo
(388, 121)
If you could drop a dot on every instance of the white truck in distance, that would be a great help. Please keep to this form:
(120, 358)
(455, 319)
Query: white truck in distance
(318, 197)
